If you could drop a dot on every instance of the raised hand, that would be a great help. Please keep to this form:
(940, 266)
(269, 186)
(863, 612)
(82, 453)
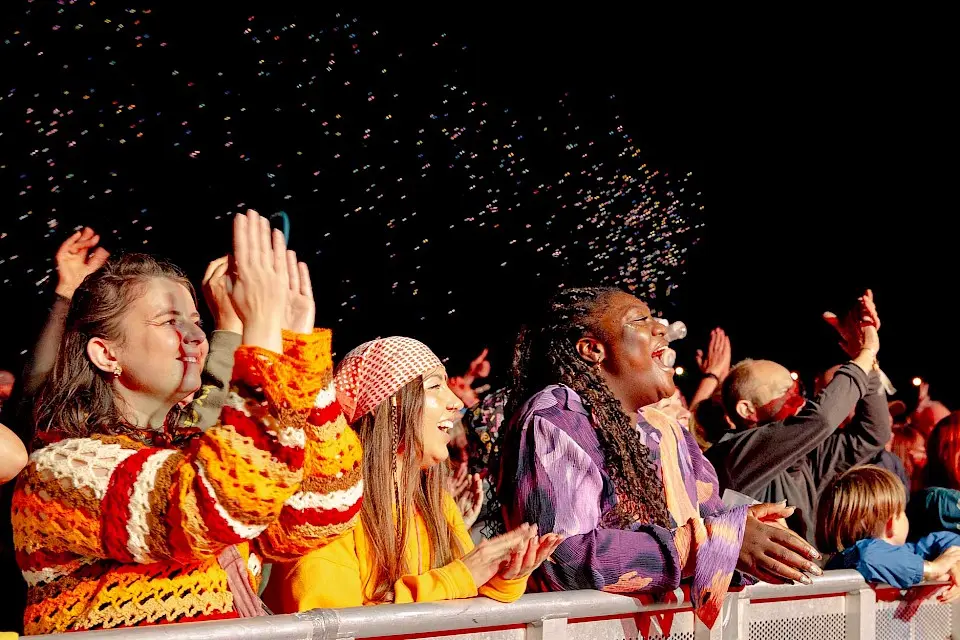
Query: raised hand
(853, 328)
(301, 310)
(523, 562)
(717, 360)
(215, 285)
(479, 367)
(259, 287)
(470, 499)
(77, 258)
(771, 553)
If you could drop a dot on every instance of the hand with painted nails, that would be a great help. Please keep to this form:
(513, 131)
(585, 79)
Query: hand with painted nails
(773, 554)
(78, 257)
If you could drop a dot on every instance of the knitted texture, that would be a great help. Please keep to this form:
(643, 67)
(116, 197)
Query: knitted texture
(111, 532)
(376, 370)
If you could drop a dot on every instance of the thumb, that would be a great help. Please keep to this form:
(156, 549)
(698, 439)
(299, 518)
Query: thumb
(772, 511)
(699, 357)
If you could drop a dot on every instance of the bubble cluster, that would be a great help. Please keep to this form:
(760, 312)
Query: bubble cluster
(399, 176)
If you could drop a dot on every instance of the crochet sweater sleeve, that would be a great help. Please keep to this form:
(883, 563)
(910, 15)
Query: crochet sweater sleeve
(327, 503)
(111, 497)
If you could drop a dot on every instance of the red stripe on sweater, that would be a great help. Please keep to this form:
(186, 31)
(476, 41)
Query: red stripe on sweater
(43, 558)
(115, 506)
(219, 529)
(323, 415)
(291, 517)
(249, 428)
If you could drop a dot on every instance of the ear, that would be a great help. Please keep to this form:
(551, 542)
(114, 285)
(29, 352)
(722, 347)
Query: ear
(889, 529)
(102, 355)
(591, 350)
(746, 410)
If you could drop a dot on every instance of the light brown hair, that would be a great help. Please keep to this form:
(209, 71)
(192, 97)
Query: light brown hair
(77, 399)
(858, 505)
(395, 426)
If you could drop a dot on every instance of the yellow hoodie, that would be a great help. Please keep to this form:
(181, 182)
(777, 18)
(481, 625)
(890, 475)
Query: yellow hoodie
(339, 574)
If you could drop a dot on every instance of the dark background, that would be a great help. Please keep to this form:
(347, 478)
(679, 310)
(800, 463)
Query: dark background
(822, 152)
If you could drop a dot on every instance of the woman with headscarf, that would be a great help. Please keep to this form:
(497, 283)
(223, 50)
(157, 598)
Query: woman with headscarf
(411, 544)
(628, 488)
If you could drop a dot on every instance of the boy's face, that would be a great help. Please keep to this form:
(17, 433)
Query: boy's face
(901, 527)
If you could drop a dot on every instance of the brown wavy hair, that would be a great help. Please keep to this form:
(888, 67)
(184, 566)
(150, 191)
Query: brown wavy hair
(546, 354)
(395, 426)
(77, 399)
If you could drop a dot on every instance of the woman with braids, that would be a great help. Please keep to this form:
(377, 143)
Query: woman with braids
(586, 456)
(126, 515)
(411, 544)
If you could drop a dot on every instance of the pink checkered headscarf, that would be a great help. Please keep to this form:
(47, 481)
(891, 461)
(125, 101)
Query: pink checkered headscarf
(376, 370)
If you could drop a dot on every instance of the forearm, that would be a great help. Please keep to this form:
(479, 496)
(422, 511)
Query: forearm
(708, 385)
(45, 351)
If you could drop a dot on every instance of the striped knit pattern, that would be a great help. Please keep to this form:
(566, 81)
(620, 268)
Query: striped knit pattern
(110, 532)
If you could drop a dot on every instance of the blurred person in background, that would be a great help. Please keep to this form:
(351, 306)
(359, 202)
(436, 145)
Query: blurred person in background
(910, 446)
(936, 505)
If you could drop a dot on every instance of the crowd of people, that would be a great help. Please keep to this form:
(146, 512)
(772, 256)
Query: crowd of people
(175, 476)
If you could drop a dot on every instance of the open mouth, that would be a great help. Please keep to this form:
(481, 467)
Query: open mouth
(193, 359)
(445, 426)
(665, 357)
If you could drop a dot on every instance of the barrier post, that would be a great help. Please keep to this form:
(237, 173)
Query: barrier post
(547, 629)
(734, 622)
(861, 614)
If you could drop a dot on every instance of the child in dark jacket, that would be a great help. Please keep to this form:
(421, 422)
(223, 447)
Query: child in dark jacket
(861, 517)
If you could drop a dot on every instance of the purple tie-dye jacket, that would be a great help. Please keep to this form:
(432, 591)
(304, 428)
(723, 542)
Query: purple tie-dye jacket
(552, 474)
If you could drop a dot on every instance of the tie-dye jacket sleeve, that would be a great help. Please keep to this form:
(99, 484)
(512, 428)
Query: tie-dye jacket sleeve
(560, 487)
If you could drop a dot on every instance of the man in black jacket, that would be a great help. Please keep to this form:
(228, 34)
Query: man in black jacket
(786, 448)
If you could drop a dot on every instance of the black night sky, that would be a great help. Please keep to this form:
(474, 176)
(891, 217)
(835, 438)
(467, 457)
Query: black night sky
(443, 171)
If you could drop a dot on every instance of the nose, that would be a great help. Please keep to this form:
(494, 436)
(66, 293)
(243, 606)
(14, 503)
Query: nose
(190, 333)
(453, 402)
(659, 328)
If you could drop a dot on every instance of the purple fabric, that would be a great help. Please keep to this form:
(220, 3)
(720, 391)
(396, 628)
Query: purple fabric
(552, 474)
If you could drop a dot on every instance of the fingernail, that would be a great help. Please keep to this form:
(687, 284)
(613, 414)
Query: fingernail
(816, 554)
(806, 580)
(815, 570)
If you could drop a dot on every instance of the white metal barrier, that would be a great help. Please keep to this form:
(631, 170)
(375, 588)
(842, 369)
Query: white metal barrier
(837, 606)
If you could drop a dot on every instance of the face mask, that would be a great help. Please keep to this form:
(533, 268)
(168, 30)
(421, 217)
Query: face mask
(786, 406)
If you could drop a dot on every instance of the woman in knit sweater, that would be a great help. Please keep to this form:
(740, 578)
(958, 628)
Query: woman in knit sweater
(411, 544)
(125, 516)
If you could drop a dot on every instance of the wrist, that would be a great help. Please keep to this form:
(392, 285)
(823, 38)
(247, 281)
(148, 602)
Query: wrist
(710, 374)
(65, 291)
(228, 324)
(265, 336)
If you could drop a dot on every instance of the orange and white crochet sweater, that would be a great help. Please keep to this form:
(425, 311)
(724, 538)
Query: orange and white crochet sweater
(110, 532)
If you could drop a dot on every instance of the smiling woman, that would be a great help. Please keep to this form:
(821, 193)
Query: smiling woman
(586, 454)
(128, 515)
(411, 544)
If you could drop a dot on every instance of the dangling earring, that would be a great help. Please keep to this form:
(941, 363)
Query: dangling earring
(596, 365)
(117, 371)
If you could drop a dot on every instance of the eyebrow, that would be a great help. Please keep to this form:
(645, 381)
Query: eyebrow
(174, 312)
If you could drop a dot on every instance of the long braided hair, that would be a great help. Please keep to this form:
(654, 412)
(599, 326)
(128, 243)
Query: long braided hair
(546, 354)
